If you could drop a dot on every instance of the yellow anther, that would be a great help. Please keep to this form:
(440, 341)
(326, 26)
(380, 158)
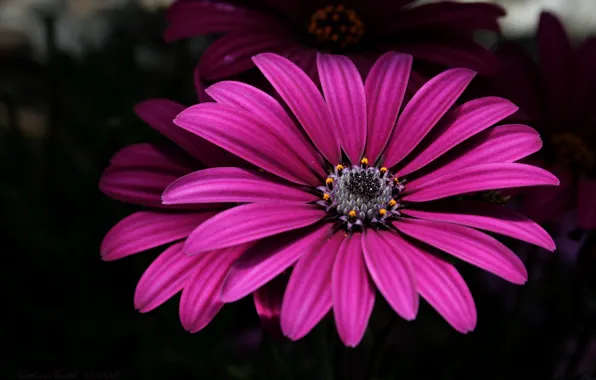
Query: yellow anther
(392, 203)
(326, 197)
(335, 37)
(364, 161)
(329, 181)
(396, 179)
(382, 212)
(383, 170)
(339, 167)
(352, 214)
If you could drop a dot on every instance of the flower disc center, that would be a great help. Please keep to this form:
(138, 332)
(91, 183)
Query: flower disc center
(337, 27)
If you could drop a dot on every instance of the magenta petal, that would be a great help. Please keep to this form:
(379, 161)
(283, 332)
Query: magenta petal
(165, 277)
(425, 109)
(308, 295)
(139, 173)
(547, 204)
(353, 292)
(392, 272)
(245, 135)
(268, 258)
(460, 124)
(344, 93)
(586, 203)
(478, 178)
(385, 88)
(250, 222)
(272, 115)
(200, 297)
(304, 99)
(147, 229)
(506, 143)
(440, 285)
(467, 244)
(488, 217)
(268, 300)
(233, 185)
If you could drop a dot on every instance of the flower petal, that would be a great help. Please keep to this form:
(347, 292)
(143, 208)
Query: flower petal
(505, 143)
(200, 297)
(586, 209)
(165, 277)
(459, 125)
(345, 97)
(385, 89)
(547, 204)
(440, 284)
(272, 115)
(353, 293)
(245, 135)
(425, 109)
(268, 258)
(304, 99)
(488, 217)
(148, 229)
(268, 300)
(232, 185)
(467, 244)
(250, 222)
(308, 295)
(478, 178)
(392, 272)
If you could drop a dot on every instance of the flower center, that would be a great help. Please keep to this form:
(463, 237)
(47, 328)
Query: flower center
(336, 26)
(573, 151)
(361, 195)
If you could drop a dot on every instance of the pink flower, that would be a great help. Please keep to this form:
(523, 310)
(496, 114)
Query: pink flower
(356, 198)
(139, 174)
(558, 97)
(440, 33)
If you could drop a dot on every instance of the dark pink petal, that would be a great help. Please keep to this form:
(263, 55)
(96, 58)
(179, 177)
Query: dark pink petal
(547, 204)
(232, 53)
(147, 229)
(506, 143)
(459, 125)
(250, 222)
(272, 115)
(353, 292)
(268, 300)
(165, 277)
(556, 63)
(308, 295)
(139, 173)
(268, 258)
(424, 110)
(304, 99)
(584, 77)
(385, 89)
(200, 297)
(190, 19)
(344, 93)
(446, 15)
(478, 178)
(440, 284)
(233, 185)
(160, 115)
(586, 203)
(468, 244)
(392, 272)
(306, 59)
(245, 135)
(488, 217)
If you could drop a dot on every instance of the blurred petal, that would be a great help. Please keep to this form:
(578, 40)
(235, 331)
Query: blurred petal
(268, 300)
(547, 204)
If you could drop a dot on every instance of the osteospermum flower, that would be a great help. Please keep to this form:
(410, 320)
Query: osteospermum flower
(139, 174)
(439, 33)
(557, 96)
(351, 197)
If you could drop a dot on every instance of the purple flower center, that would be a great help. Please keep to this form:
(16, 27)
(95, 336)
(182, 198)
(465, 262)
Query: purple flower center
(336, 27)
(361, 195)
(573, 151)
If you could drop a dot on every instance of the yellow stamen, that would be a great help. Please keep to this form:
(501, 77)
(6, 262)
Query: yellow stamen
(383, 170)
(392, 203)
(364, 161)
(329, 181)
(396, 179)
(326, 197)
(339, 167)
(335, 37)
(382, 212)
(352, 214)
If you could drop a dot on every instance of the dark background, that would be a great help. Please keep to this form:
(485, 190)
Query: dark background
(70, 315)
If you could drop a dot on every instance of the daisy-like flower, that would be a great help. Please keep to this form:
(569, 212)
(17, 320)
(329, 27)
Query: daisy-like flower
(558, 98)
(139, 174)
(353, 198)
(438, 33)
